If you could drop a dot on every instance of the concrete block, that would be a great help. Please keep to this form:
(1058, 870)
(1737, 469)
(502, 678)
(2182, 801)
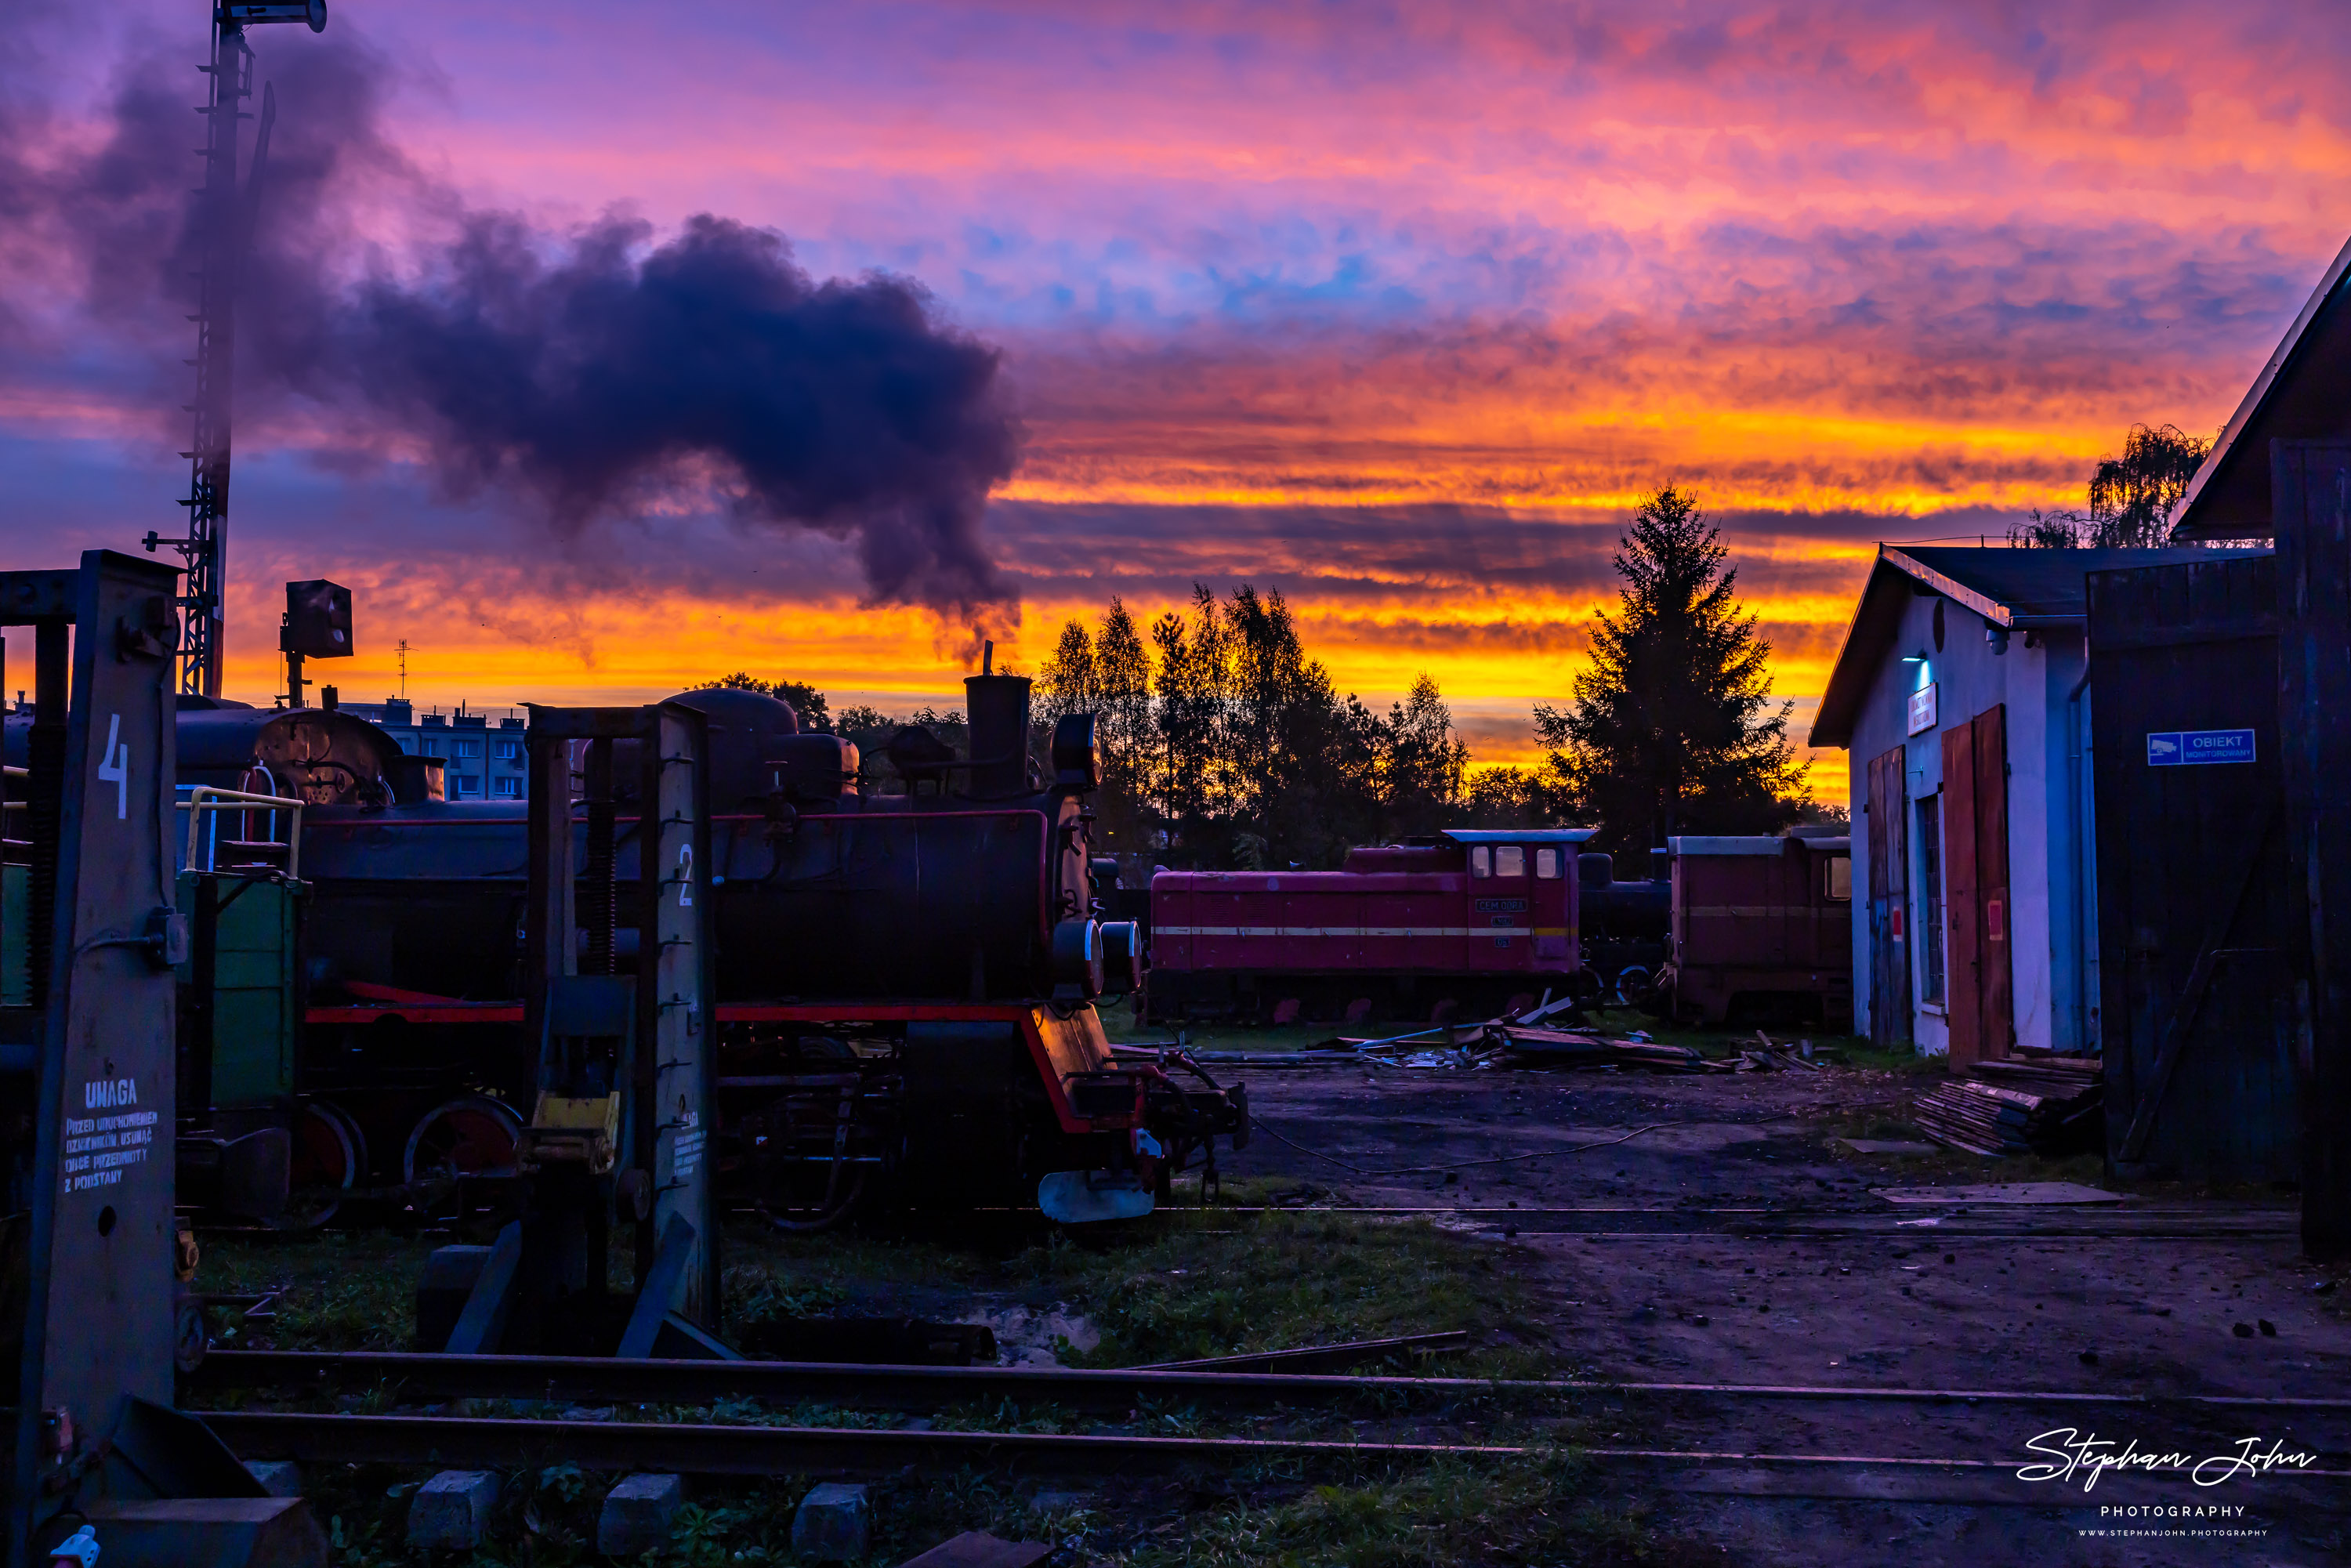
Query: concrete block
(278, 1478)
(199, 1532)
(450, 1273)
(834, 1525)
(453, 1509)
(638, 1514)
(977, 1549)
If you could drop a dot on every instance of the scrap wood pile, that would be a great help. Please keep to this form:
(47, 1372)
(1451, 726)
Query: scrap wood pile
(1579, 1048)
(2039, 1105)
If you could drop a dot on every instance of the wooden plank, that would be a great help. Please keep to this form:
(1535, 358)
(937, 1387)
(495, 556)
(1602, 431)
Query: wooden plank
(1996, 974)
(1962, 922)
(2200, 980)
(2310, 491)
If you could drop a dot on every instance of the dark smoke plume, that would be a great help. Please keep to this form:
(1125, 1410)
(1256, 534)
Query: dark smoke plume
(592, 374)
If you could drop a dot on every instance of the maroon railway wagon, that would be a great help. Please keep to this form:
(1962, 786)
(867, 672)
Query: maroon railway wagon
(1463, 922)
(1762, 933)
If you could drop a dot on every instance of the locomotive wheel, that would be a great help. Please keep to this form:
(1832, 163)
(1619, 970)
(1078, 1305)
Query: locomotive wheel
(330, 1158)
(470, 1135)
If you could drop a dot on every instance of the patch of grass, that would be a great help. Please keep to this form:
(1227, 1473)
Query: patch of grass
(1284, 1281)
(1451, 1512)
(1182, 1285)
(340, 1289)
(1858, 1052)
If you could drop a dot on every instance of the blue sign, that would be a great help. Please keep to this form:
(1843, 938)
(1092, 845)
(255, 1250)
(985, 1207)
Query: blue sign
(2186, 748)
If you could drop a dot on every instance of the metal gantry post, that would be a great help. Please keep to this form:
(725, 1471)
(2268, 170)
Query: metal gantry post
(90, 1070)
(621, 1118)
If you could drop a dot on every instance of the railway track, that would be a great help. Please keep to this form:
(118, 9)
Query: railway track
(715, 1450)
(1962, 1223)
(607, 1380)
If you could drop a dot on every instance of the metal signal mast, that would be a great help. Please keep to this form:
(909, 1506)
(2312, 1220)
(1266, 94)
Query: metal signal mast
(225, 221)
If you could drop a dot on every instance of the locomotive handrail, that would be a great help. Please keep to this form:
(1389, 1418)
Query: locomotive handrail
(204, 797)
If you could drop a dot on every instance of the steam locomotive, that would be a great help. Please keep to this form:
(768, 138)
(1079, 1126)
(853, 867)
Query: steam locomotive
(907, 982)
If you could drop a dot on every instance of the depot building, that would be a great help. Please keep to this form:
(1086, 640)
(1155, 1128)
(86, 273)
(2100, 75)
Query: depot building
(1961, 695)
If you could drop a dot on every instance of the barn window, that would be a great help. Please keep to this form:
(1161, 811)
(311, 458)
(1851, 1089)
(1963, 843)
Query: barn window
(1839, 871)
(1481, 861)
(1510, 859)
(1547, 864)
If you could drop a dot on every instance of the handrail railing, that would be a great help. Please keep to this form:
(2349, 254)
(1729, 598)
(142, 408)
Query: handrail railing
(204, 797)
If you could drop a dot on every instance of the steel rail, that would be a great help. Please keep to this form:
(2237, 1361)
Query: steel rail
(420, 1440)
(767, 1450)
(1319, 1357)
(608, 1380)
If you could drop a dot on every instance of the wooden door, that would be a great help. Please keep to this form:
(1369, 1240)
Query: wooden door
(1889, 897)
(1962, 920)
(1996, 973)
(2202, 963)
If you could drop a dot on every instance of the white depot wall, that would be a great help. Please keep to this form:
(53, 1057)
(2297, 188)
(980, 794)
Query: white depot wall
(2043, 854)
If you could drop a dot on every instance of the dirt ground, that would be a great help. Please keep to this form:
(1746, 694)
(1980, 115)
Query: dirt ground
(1735, 1241)
(1607, 1224)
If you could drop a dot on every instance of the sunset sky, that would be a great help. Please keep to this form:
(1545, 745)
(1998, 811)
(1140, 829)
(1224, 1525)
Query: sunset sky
(1397, 308)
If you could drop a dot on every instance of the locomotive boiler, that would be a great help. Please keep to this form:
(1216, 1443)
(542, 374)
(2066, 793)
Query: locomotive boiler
(906, 981)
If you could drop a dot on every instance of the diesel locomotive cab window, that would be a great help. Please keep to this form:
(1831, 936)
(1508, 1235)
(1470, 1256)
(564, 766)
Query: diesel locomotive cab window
(1481, 862)
(1547, 864)
(1839, 871)
(1510, 859)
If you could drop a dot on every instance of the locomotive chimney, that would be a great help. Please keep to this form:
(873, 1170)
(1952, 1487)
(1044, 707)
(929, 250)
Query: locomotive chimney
(999, 710)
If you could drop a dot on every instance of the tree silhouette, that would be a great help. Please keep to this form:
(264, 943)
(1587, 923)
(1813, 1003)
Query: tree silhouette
(1673, 728)
(2131, 496)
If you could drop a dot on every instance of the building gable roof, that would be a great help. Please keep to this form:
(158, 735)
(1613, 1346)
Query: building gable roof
(2019, 589)
(2303, 393)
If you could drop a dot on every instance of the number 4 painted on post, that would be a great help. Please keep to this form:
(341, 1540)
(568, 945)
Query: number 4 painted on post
(114, 768)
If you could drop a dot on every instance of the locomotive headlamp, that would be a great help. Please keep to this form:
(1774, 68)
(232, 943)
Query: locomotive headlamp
(248, 13)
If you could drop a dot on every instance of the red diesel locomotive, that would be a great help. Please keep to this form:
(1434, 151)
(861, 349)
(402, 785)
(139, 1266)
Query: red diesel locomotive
(1464, 921)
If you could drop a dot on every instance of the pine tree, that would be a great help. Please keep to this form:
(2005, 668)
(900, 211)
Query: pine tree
(1673, 728)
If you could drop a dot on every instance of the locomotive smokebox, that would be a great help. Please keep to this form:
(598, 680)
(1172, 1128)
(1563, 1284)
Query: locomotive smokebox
(998, 706)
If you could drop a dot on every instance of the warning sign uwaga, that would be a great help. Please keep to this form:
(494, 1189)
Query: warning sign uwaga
(99, 1148)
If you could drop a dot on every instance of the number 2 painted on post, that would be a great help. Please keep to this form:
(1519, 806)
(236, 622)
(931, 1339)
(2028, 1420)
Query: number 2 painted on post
(686, 876)
(114, 768)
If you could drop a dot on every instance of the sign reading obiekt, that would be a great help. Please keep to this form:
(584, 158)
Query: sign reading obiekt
(2186, 748)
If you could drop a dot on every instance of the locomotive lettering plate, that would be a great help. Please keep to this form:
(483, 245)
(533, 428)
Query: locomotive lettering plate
(1500, 905)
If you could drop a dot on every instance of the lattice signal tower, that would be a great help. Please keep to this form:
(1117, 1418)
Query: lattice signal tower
(226, 218)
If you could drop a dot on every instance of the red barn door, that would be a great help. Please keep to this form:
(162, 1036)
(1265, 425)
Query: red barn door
(1963, 987)
(1981, 988)
(1997, 1006)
